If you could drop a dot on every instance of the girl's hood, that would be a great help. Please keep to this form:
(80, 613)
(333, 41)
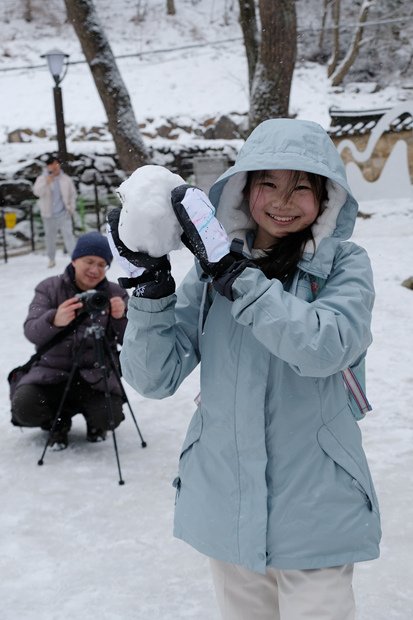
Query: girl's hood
(286, 144)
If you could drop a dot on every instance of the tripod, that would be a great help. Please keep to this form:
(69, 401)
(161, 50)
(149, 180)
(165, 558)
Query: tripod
(102, 353)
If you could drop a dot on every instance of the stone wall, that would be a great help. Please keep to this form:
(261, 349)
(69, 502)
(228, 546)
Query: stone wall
(171, 142)
(97, 175)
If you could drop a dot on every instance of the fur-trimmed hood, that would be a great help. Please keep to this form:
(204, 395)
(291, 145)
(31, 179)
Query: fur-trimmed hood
(286, 144)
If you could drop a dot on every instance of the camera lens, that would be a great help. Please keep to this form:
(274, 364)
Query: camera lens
(97, 302)
(93, 301)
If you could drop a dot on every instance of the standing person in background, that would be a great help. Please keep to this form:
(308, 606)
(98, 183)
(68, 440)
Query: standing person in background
(273, 483)
(57, 202)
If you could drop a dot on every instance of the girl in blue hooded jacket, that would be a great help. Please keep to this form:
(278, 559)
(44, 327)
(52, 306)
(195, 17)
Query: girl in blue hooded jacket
(273, 483)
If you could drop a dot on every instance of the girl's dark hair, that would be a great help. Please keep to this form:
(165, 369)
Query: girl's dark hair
(282, 258)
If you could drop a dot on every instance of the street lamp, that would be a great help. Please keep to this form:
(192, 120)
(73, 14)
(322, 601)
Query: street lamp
(57, 67)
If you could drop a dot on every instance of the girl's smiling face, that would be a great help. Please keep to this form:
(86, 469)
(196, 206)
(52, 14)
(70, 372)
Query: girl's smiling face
(281, 202)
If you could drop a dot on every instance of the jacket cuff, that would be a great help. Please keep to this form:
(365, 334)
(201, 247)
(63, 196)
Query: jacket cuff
(151, 305)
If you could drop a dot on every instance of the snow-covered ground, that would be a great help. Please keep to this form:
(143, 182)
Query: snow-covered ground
(76, 544)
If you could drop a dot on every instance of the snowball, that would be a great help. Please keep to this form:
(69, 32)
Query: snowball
(147, 221)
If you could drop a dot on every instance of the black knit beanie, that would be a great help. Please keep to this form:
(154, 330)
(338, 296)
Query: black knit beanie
(93, 244)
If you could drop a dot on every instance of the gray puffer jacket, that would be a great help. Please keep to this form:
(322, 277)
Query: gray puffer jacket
(55, 365)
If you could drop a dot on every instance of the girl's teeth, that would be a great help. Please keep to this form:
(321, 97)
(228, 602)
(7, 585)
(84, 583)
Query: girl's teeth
(281, 219)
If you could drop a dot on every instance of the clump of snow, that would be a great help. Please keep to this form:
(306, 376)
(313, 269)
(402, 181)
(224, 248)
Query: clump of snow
(147, 222)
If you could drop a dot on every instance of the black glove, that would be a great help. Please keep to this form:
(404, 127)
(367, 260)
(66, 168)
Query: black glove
(206, 238)
(151, 276)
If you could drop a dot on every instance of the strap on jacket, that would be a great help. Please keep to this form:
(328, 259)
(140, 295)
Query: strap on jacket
(353, 385)
(55, 340)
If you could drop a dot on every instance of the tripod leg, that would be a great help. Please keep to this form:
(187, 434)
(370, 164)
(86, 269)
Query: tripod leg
(101, 358)
(124, 395)
(58, 418)
(143, 442)
(115, 446)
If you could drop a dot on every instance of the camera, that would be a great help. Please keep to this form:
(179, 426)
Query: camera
(93, 301)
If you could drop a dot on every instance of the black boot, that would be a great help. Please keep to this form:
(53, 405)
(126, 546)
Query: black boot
(95, 434)
(58, 438)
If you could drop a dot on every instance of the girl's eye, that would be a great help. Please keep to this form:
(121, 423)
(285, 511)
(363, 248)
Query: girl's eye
(269, 184)
(302, 187)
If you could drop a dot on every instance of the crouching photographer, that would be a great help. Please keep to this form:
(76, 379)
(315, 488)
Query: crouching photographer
(73, 304)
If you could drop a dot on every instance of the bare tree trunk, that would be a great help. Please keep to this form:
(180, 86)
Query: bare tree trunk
(28, 11)
(332, 64)
(344, 67)
(111, 88)
(170, 7)
(270, 95)
(323, 24)
(248, 22)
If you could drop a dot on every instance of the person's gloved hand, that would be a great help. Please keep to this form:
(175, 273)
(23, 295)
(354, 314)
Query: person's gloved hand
(150, 276)
(206, 238)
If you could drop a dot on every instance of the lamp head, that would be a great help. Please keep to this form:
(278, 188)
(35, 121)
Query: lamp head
(55, 60)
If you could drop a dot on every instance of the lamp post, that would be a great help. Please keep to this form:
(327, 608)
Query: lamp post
(57, 67)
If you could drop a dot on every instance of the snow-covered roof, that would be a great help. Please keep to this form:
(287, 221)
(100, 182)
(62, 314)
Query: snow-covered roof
(360, 122)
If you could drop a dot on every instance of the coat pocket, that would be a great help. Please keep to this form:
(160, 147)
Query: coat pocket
(193, 433)
(192, 436)
(345, 449)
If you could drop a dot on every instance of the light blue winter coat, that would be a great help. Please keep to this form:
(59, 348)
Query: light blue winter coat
(272, 469)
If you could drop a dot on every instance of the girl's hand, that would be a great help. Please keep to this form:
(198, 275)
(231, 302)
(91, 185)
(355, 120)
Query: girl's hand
(203, 234)
(206, 238)
(151, 276)
(133, 263)
(117, 307)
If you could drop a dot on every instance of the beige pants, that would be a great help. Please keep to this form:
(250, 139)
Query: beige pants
(321, 594)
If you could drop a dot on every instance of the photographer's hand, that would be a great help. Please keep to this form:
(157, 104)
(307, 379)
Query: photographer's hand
(66, 312)
(117, 307)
